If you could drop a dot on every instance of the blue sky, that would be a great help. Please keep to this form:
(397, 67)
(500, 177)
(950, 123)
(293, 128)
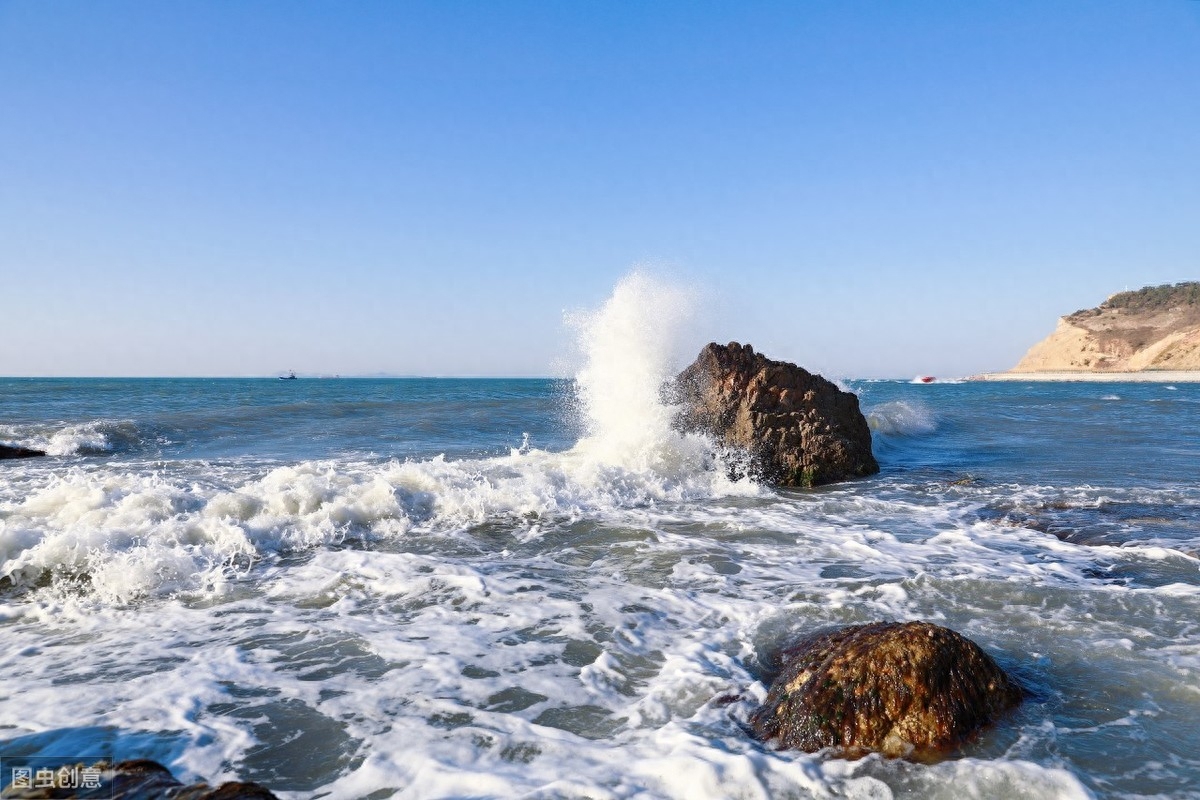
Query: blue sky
(867, 188)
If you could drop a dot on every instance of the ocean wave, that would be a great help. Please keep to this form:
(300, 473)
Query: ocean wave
(901, 418)
(121, 535)
(95, 437)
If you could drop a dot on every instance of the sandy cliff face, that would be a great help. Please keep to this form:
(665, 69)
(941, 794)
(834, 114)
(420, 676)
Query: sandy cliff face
(1156, 328)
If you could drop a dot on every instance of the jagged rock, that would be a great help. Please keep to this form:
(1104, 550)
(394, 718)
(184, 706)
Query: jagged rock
(8, 451)
(131, 780)
(901, 689)
(798, 428)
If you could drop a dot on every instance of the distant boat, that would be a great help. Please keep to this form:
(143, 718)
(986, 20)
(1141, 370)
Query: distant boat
(291, 376)
(924, 379)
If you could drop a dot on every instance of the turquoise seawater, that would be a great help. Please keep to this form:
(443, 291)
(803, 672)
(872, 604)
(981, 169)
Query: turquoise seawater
(498, 588)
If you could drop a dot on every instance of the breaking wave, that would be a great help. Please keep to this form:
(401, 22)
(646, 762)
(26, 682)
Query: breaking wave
(900, 418)
(123, 534)
(97, 437)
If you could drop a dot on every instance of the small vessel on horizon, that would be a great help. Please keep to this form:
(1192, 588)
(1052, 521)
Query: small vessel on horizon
(291, 376)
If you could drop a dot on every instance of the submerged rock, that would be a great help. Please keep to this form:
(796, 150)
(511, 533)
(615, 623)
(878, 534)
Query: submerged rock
(8, 451)
(128, 780)
(798, 428)
(899, 689)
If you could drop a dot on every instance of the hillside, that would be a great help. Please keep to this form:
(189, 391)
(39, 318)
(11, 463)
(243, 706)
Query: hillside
(1155, 328)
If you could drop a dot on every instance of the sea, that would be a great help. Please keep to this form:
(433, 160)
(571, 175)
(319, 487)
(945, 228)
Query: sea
(486, 588)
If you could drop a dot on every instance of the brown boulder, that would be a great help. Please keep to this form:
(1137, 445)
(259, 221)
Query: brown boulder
(798, 428)
(8, 451)
(901, 689)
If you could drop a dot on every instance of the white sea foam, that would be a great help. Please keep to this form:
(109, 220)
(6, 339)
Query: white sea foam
(628, 657)
(131, 533)
(456, 678)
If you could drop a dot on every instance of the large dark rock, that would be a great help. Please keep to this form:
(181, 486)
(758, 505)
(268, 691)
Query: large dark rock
(798, 428)
(901, 689)
(131, 780)
(8, 451)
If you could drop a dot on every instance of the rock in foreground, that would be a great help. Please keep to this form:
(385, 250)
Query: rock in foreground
(8, 451)
(798, 428)
(894, 688)
(129, 780)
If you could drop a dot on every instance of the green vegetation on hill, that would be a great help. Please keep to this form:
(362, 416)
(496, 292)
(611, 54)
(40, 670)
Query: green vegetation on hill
(1149, 299)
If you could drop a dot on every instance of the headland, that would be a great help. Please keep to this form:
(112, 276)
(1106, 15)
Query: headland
(1150, 334)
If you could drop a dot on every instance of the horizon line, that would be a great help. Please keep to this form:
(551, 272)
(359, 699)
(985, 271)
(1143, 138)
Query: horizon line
(400, 376)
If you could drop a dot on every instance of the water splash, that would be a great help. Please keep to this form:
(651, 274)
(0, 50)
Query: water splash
(632, 344)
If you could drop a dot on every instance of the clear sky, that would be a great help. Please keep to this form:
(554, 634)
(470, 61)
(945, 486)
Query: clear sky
(867, 188)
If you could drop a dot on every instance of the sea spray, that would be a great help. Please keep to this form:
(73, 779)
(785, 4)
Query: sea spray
(632, 346)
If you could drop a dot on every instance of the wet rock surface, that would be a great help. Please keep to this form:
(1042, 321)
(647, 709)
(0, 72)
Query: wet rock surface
(900, 689)
(9, 451)
(798, 429)
(128, 780)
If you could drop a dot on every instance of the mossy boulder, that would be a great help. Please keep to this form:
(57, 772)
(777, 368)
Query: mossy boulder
(900, 689)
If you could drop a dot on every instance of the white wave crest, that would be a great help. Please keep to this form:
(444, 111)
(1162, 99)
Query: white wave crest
(901, 418)
(95, 437)
(127, 534)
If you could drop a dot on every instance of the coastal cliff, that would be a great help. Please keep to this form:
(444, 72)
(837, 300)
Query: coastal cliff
(1151, 329)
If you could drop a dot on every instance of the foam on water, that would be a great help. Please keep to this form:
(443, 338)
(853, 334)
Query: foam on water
(459, 676)
(120, 535)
